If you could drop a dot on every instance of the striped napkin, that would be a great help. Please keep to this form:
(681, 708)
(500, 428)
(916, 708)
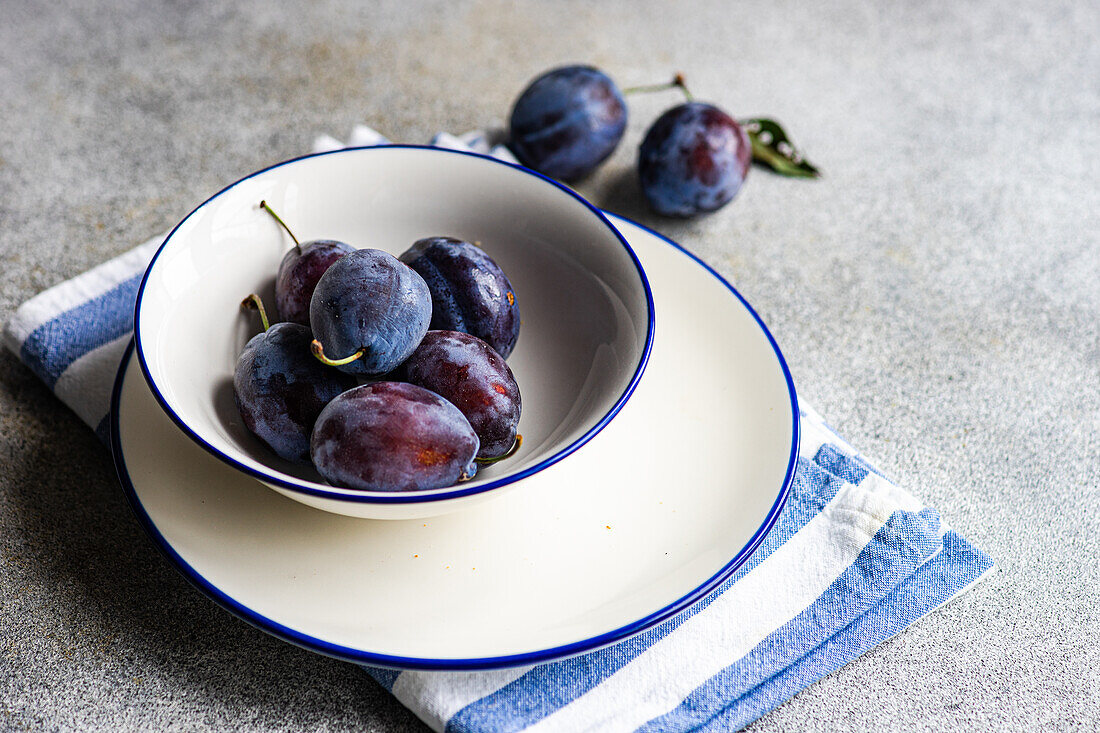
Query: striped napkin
(852, 560)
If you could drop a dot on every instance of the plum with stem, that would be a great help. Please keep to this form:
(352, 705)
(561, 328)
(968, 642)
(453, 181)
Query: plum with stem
(368, 312)
(280, 389)
(299, 271)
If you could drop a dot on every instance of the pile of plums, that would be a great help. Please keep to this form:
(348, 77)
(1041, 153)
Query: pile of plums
(388, 374)
(693, 159)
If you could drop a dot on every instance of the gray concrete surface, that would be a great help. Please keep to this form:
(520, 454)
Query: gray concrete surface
(937, 295)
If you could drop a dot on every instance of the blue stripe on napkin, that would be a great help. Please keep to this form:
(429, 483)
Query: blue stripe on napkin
(850, 468)
(384, 677)
(53, 346)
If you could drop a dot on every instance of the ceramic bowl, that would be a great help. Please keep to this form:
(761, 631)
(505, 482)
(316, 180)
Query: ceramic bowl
(586, 307)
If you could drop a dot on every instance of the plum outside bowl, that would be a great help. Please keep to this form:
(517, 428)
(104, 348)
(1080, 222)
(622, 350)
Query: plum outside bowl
(586, 308)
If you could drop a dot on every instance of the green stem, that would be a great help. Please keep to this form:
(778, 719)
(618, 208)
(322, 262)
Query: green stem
(677, 81)
(253, 302)
(319, 352)
(511, 452)
(263, 205)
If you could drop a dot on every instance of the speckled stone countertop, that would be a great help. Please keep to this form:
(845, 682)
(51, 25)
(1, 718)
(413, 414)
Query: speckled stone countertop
(937, 295)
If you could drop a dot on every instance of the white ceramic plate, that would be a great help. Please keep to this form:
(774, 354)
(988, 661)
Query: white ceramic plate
(652, 514)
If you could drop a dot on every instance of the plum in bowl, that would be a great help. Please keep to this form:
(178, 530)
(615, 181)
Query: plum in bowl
(587, 311)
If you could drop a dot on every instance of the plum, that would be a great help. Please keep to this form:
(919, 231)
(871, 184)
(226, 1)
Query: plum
(473, 377)
(368, 312)
(567, 121)
(298, 274)
(300, 270)
(470, 292)
(693, 159)
(391, 436)
(280, 389)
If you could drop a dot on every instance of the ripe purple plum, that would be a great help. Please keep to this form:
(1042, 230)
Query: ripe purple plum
(368, 312)
(391, 436)
(280, 389)
(473, 377)
(301, 268)
(693, 159)
(298, 274)
(470, 292)
(567, 121)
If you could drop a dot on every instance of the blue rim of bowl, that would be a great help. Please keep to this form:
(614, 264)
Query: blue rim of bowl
(359, 656)
(412, 497)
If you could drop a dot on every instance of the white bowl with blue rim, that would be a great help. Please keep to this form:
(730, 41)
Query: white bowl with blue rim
(585, 304)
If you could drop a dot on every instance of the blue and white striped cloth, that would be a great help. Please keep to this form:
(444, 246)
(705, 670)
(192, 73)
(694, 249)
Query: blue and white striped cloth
(852, 560)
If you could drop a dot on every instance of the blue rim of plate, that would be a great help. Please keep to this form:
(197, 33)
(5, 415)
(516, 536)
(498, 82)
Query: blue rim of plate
(417, 497)
(359, 656)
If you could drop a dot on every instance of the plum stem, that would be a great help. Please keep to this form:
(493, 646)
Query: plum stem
(677, 81)
(511, 452)
(319, 352)
(254, 302)
(268, 209)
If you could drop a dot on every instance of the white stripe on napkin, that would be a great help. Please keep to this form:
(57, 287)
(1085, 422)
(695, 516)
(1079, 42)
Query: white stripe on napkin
(361, 136)
(436, 703)
(86, 385)
(475, 141)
